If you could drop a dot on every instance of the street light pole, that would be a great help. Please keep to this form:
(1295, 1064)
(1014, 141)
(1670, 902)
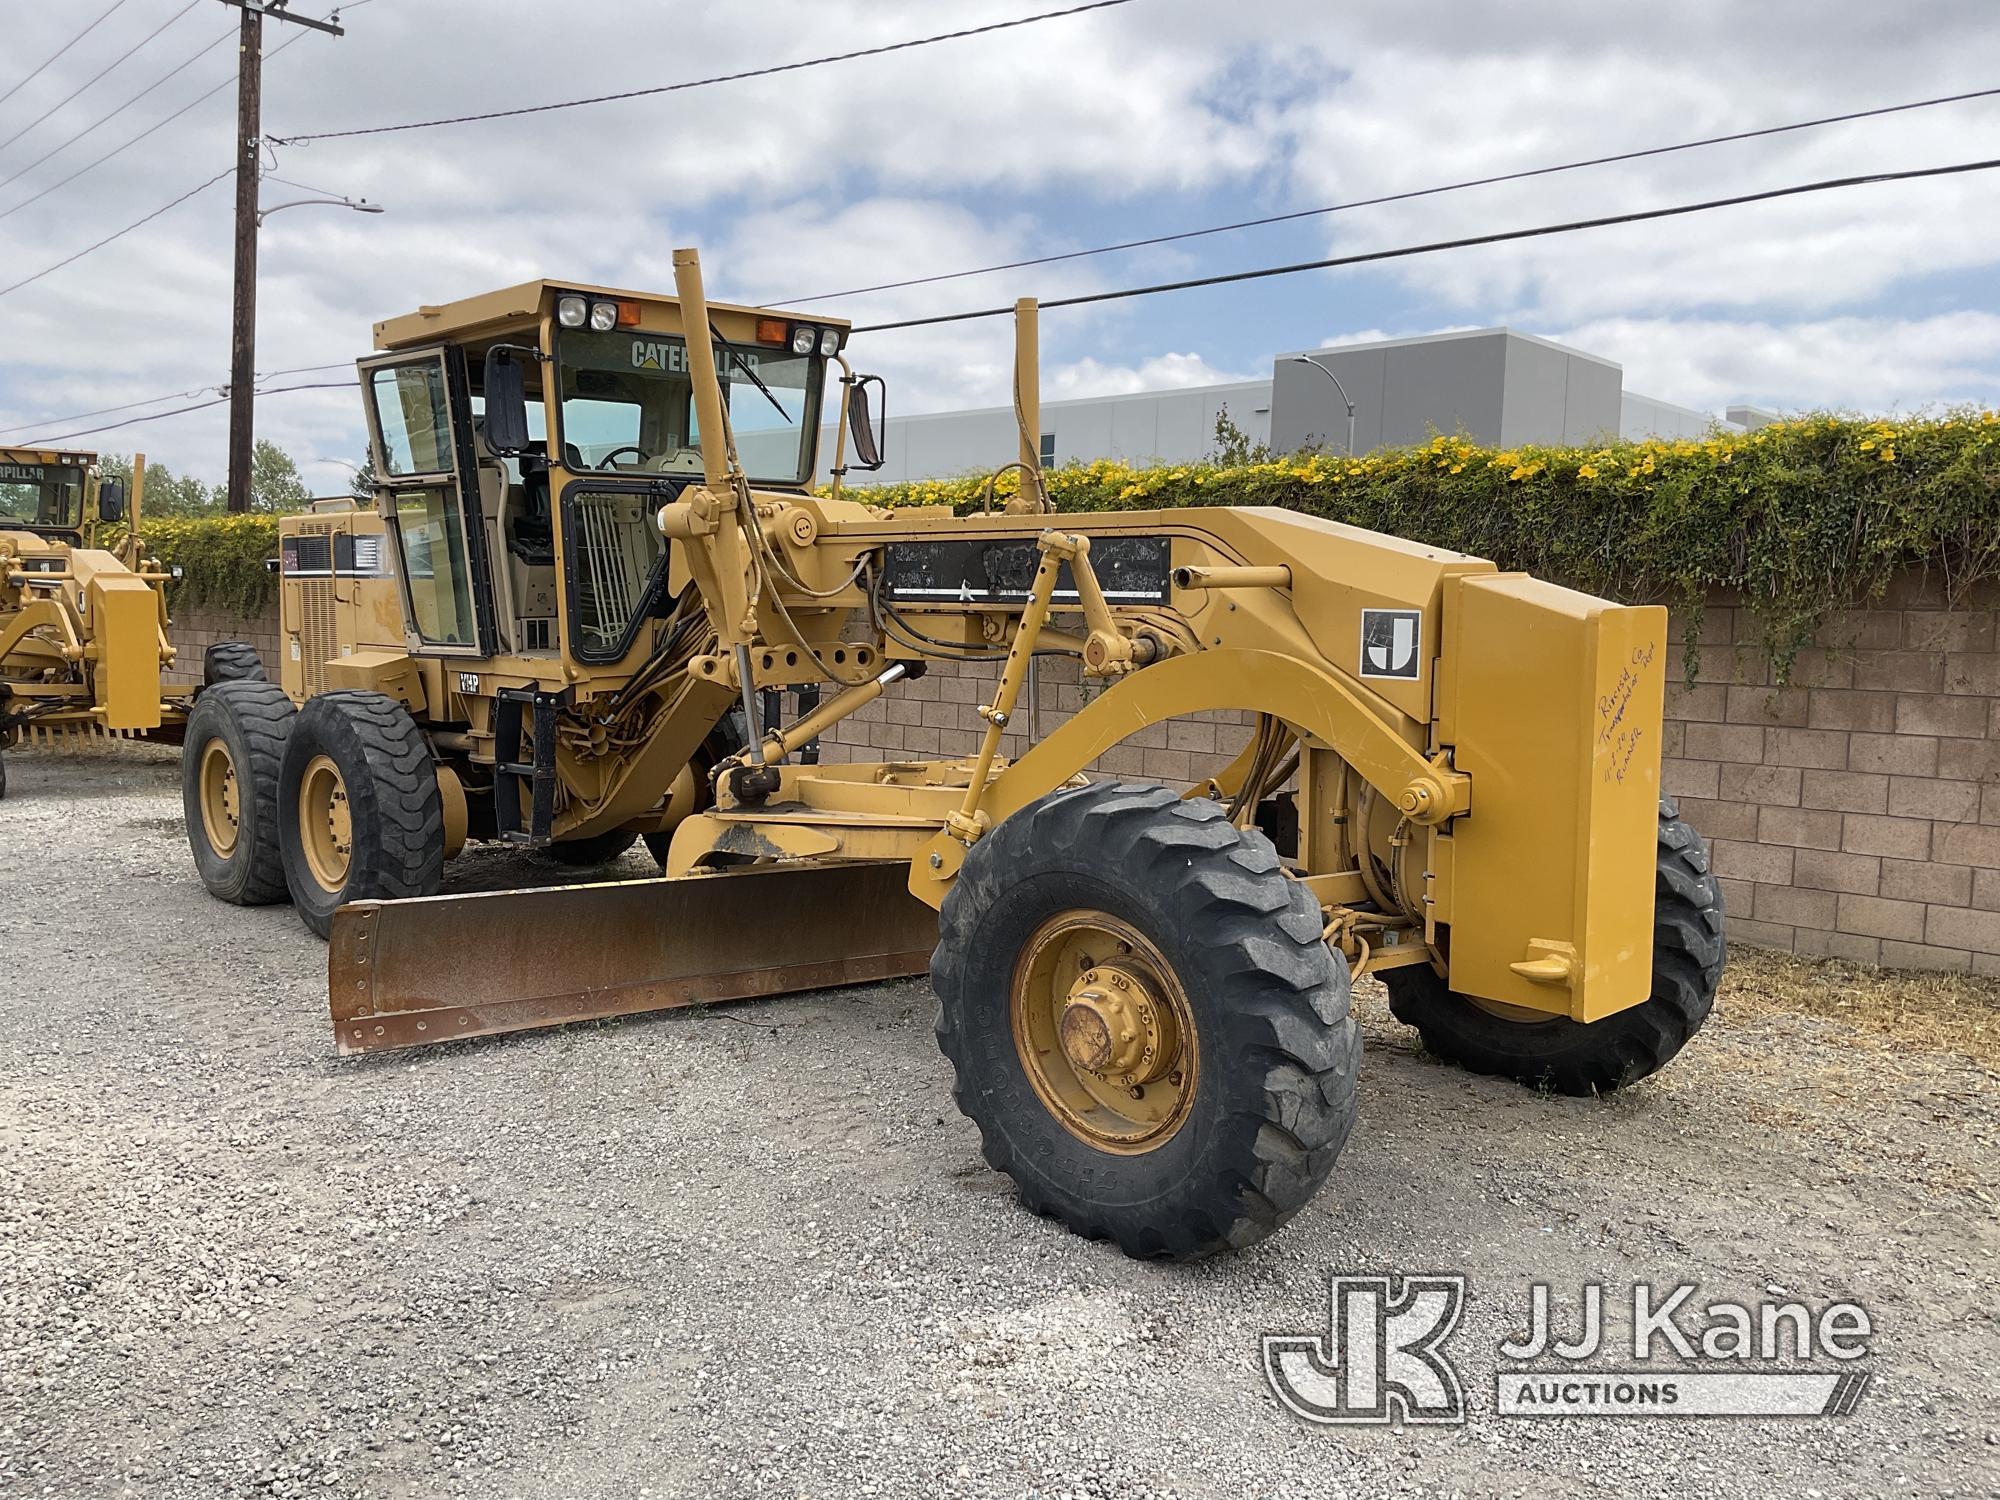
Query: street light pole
(249, 151)
(1300, 359)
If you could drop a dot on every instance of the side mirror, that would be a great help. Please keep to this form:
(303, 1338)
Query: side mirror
(868, 434)
(111, 499)
(506, 401)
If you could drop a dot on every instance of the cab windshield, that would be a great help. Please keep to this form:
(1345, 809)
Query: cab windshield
(628, 406)
(38, 494)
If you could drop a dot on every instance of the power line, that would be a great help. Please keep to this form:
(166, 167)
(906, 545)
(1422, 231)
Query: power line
(702, 83)
(118, 235)
(1401, 197)
(1499, 237)
(1467, 242)
(102, 411)
(105, 411)
(181, 411)
(339, 364)
(171, 73)
(156, 125)
(99, 73)
(29, 78)
(304, 187)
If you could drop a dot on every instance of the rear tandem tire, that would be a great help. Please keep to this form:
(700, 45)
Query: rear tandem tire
(230, 759)
(374, 830)
(232, 661)
(1100, 886)
(1599, 1057)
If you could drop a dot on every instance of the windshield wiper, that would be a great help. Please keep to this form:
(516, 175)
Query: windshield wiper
(743, 365)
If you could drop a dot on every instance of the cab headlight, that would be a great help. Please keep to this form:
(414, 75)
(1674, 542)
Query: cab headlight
(804, 339)
(603, 317)
(829, 342)
(570, 311)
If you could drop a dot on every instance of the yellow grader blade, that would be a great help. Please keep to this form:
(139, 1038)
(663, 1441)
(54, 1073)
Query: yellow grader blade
(437, 968)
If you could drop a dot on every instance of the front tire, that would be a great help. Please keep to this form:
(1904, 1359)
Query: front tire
(1597, 1057)
(362, 817)
(231, 756)
(1143, 1021)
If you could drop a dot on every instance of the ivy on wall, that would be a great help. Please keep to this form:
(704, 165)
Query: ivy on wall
(222, 560)
(1798, 519)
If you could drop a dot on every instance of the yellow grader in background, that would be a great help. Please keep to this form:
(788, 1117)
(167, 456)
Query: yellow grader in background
(83, 629)
(595, 549)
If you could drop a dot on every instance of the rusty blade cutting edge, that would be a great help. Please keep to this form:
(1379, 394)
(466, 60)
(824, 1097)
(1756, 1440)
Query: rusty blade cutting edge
(437, 968)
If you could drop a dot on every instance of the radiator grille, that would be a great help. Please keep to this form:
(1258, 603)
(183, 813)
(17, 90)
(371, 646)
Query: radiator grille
(319, 637)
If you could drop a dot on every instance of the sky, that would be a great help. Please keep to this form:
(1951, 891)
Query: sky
(1148, 118)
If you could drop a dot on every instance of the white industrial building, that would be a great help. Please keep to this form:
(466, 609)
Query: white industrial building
(1495, 385)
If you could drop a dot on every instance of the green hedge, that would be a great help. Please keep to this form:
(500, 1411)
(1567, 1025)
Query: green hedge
(221, 558)
(1800, 518)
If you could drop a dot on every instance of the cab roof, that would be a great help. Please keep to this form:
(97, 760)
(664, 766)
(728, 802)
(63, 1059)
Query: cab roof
(31, 453)
(472, 317)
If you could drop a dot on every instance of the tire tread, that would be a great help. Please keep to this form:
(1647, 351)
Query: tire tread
(1689, 951)
(1287, 1022)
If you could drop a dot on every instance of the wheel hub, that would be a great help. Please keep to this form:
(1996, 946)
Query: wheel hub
(326, 823)
(1104, 1031)
(1114, 1026)
(221, 805)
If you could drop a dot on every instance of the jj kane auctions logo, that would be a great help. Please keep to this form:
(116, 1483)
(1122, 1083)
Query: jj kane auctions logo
(1382, 1356)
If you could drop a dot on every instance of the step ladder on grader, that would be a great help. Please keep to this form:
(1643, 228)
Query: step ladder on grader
(595, 548)
(83, 628)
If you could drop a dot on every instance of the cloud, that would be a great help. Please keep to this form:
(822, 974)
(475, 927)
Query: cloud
(1562, 82)
(1092, 377)
(1127, 122)
(1870, 364)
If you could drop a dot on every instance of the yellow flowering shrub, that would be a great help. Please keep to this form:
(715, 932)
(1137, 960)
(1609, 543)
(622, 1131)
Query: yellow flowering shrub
(221, 558)
(1800, 518)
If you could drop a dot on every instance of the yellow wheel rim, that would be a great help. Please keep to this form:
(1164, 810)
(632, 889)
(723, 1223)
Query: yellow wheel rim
(326, 829)
(221, 799)
(1105, 1032)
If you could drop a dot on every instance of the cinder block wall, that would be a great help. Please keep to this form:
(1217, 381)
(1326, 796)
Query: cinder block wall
(1854, 812)
(195, 630)
(938, 715)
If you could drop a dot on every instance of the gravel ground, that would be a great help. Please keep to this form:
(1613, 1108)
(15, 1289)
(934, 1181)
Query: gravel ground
(754, 1250)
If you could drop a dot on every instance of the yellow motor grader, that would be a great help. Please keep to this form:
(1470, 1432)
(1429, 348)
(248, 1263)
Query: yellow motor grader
(596, 552)
(83, 628)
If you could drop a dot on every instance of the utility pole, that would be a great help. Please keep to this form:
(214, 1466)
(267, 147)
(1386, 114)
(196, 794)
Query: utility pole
(249, 170)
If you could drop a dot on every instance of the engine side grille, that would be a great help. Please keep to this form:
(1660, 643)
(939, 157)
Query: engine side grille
(319, 638)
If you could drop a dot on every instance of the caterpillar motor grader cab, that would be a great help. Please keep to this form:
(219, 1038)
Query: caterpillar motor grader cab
(83, 629)
(596, 511)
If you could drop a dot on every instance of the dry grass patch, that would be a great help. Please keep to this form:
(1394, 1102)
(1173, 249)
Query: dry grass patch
(1899, 1008)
